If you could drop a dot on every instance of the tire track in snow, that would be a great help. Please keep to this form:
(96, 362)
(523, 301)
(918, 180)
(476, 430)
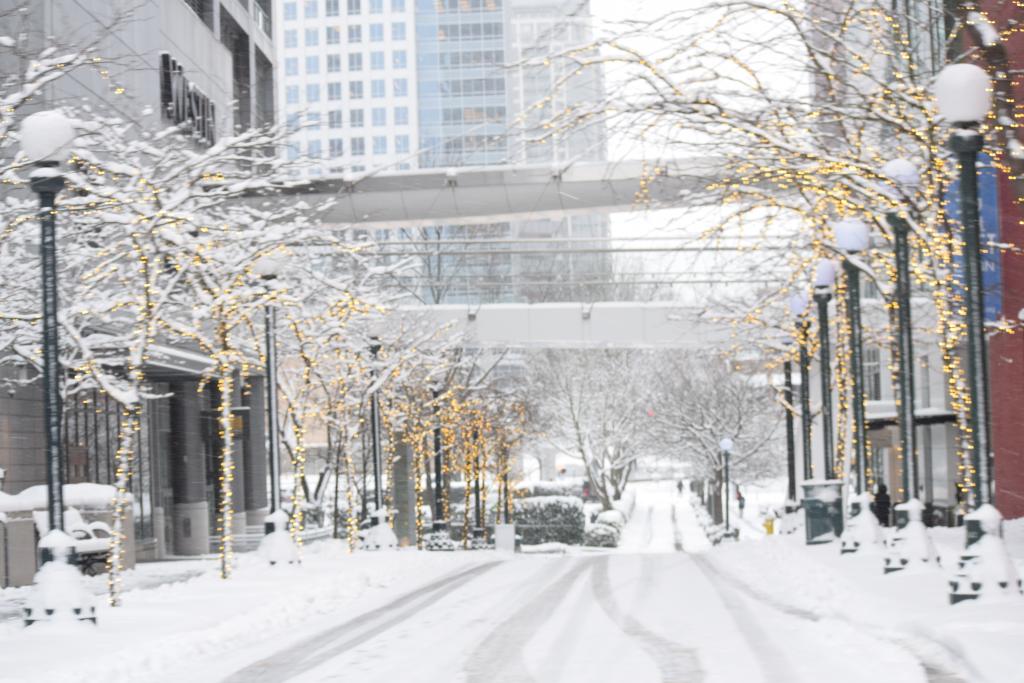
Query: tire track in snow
(500, 657)
(677, 664)
(312, 652)
(934, 672)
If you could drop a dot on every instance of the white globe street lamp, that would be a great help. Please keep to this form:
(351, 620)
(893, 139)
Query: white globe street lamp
(963, 93)
(963, 96)
(853, 236)
(46, 139)
(277, 546)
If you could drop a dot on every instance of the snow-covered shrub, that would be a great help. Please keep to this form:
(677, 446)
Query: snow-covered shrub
(545, 519)
(612, 518)
(535, 489)
(601, 536)
(591, 511)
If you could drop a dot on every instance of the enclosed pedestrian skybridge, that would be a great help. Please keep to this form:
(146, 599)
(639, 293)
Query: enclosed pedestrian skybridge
(491, 194)
(575, 325)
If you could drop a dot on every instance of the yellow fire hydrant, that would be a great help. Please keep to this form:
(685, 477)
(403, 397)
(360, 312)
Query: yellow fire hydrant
(769, 526)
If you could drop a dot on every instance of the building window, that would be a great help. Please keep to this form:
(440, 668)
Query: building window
(334, 118)
(380, 116)
(873, 373)
(355, 34)
(291, 38)
(380, 144)
(333, 63)
(397, 5)
(376, 61)
(333, 35)
(312, 65)
(313, 149)
(291, 94)
(398, 30)
(399, 60)
(334, 91)
(313, 92)
(331, 8)
(358, 147)
(293, 151)
(376, 33)
(355, 62)
(401, 116)
(402, 144)
(291, 66)
(376, 6)
(309, 10)
(401, 86)
(312, 37)
(293, 121)
(291, 11)
(354, 7)
(313, 118)
(355, 90)
(355, 118)
(337, 147)
(377, 88)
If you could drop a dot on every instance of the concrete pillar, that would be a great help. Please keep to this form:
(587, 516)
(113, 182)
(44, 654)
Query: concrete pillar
(256, 466)
(187, 465)
(404, 496)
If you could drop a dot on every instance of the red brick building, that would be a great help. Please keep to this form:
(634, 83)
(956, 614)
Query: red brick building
(1006, 351)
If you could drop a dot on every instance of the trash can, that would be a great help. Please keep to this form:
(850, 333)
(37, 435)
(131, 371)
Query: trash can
(823, 510)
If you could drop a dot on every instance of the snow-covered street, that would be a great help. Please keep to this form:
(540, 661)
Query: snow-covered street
(663, 606)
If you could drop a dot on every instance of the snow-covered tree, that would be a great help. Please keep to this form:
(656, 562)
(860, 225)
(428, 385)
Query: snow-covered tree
(595, 405)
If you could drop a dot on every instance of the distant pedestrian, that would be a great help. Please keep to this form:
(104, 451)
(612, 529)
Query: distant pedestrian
(881, 505)
(741, 500)
(679, 487)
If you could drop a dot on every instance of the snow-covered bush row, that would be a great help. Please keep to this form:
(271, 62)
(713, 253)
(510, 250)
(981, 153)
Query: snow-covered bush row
(550, 518)
(602, 536)
(534, 489)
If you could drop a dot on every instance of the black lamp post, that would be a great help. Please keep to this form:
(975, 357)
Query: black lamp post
(726, 446)
(787, 391)
(378, 493)
(798, 307)
(962, 94)
(853, 237)
(268, 268)
(46, 137)
(440, 523)
(905, 175)
(824, 278)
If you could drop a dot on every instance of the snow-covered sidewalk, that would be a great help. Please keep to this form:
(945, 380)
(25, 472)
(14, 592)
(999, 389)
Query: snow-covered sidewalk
(158, 630)
(973, 641)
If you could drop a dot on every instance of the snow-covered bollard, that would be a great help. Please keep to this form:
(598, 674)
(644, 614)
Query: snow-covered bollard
(911, 544)
(58, 593)
(985, 567)
(439, 538)
(277, 546)
(380, 536)
(862, 528)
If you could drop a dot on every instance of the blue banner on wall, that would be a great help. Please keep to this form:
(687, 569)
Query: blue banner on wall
(988, 207)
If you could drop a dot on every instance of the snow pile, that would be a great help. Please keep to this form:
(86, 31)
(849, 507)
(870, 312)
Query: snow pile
(215, 627)
(910, 609)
